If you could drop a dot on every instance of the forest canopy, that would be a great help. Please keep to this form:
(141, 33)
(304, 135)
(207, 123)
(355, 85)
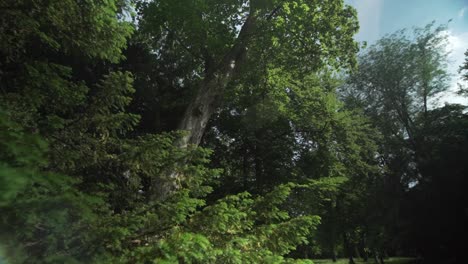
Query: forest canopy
(225, 131)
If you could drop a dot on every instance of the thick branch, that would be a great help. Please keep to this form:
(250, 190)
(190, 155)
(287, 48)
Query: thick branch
(206, 100)
(212, 86)
(181, 43)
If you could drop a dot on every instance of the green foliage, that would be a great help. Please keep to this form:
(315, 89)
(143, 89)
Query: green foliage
(396, 86)
(46, 207)
(235, 229)
(46, 217)
(305, 31)
(193, 37)
(63, 223)
(399, 76)
(79, 181)
(286, 129)
(464, 71)
(20, 153)
(89, 27)
(82, 172)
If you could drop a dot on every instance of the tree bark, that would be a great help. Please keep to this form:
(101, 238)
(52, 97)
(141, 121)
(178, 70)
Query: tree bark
(356, 251)
(376, 256)
(206, 101)
(211, 89)
(348, 249)
(365, 250)
(333, 229)
(334, 258)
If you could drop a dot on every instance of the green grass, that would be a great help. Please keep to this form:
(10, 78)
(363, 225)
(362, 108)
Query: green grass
(370, 261)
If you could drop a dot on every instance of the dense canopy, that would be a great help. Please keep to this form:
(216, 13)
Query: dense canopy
(224, 131)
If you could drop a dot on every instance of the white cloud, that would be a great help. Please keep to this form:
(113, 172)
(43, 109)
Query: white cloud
(457, 47)
(461, 13)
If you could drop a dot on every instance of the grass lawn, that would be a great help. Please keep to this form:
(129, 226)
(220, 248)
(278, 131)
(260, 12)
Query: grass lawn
(370, 261)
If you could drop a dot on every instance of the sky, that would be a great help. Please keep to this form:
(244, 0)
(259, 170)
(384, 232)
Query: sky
(380, 17)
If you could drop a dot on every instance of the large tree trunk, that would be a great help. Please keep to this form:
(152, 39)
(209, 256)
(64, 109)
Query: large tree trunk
(211, 89)
(334, 257)
(206, 101)
(365, 249)
(376, 256)
(333, 230)
(348, 248)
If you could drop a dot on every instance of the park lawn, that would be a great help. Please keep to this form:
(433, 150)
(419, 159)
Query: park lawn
(370, 261)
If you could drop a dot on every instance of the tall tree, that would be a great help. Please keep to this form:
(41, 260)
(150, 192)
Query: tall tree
(288, 129)
(397, 82)
(76, 173)
(216, 36)
(397, 78)
(431, 62)
(463, 89)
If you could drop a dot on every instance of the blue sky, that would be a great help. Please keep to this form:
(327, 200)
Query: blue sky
(380, 17)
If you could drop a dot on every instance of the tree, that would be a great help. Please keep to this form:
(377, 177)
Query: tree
(464, 71)
(431, 62)
(398, 75)
(433, 209)
(285, 129)
(78, 173)
(395, 82)
(216, 36)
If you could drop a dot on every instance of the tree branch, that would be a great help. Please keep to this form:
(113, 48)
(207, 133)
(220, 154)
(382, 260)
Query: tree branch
(275, 11)
(186, 48)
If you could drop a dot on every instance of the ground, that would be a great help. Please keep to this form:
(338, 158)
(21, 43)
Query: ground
(370, 261)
